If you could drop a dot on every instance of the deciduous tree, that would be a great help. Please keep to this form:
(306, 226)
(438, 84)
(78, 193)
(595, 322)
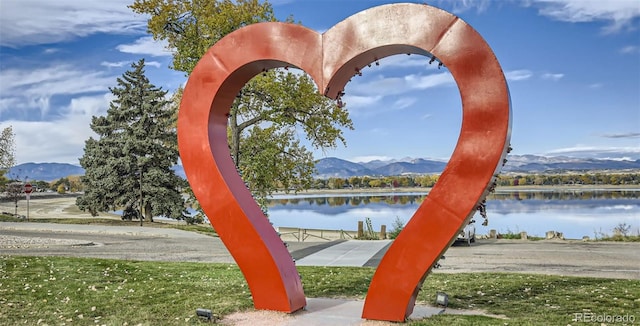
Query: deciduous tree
(7, 149)
(11, 189)
(7, 155)
(270, 111)
(129, 165)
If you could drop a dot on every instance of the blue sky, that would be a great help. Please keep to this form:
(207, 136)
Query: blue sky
(573, 68)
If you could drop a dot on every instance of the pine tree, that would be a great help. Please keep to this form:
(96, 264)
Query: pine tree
(129, 166)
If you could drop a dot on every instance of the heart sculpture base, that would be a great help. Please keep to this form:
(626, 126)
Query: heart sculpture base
(331, 59)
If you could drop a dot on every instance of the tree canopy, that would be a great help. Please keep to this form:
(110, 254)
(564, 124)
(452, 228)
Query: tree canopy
(7, 156)
(7, 149)
(190, 27)
(273, 113)
(130, 165)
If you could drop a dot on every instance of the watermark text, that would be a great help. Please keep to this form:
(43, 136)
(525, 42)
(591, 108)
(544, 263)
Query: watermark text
(592, 317)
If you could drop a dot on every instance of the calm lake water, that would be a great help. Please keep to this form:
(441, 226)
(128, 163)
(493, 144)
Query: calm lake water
(575, 213)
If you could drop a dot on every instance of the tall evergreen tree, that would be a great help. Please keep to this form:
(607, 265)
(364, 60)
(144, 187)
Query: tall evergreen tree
(129, 166)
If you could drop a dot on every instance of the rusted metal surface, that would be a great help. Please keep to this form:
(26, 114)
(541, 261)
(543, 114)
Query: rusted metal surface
(331, 59)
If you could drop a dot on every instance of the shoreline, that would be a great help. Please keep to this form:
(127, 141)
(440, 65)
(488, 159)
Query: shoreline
(425, 190)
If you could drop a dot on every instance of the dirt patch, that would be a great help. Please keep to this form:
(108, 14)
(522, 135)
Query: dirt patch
(259, 317)
(49, 207)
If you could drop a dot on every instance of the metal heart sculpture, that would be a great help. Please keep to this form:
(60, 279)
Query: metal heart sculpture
(331, 59)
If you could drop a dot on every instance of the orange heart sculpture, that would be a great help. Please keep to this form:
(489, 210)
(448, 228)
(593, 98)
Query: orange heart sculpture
(331, 59)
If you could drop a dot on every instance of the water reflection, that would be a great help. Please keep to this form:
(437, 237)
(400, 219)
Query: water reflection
(575, 213)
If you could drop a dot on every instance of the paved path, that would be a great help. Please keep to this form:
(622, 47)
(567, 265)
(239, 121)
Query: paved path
(348, 253)
(571, 257)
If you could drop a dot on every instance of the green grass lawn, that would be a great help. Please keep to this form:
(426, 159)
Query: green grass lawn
(87, 291)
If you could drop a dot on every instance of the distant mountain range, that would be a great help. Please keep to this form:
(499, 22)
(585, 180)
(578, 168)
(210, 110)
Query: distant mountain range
(335, 167)
(44, 171)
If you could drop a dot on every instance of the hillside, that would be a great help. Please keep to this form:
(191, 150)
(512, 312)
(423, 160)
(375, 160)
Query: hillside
(332, 167)
(44, 171)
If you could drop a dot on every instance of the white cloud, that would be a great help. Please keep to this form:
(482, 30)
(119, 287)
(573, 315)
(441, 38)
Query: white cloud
(550, 76)
(404, 61)
(598, 152)
(369, 158)
(61, 140)
(356, 102)
(53, 80)
(118, 64)
(57, 137)
(459, 6)
(516, 75)
(618, 14)
(146, 45)
(384, 86)
(369, 93)
(51, 51)
(379, 86)
(153, 64)
(28, 22)
(429, 81)
(622, 135)
(87, 106)
(596, 85)
(630, 49)
(404, 103)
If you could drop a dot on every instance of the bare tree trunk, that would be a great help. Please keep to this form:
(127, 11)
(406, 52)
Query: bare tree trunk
(147, 211)
(235, 138)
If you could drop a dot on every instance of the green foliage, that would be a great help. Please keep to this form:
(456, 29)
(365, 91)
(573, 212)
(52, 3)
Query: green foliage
(55, 290)
(621, 233)
(396, 228)
(129, 166)
(14, 190)
(428, 180)
(277, 160)
(3, 181)
(335, 183)
(7, 155)
(264, 126)
(570, 179)
(71, 183)
(41, 185)
(195, 219)
(192, 26)
(272, 108)
(621, 238)
(7, 149)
